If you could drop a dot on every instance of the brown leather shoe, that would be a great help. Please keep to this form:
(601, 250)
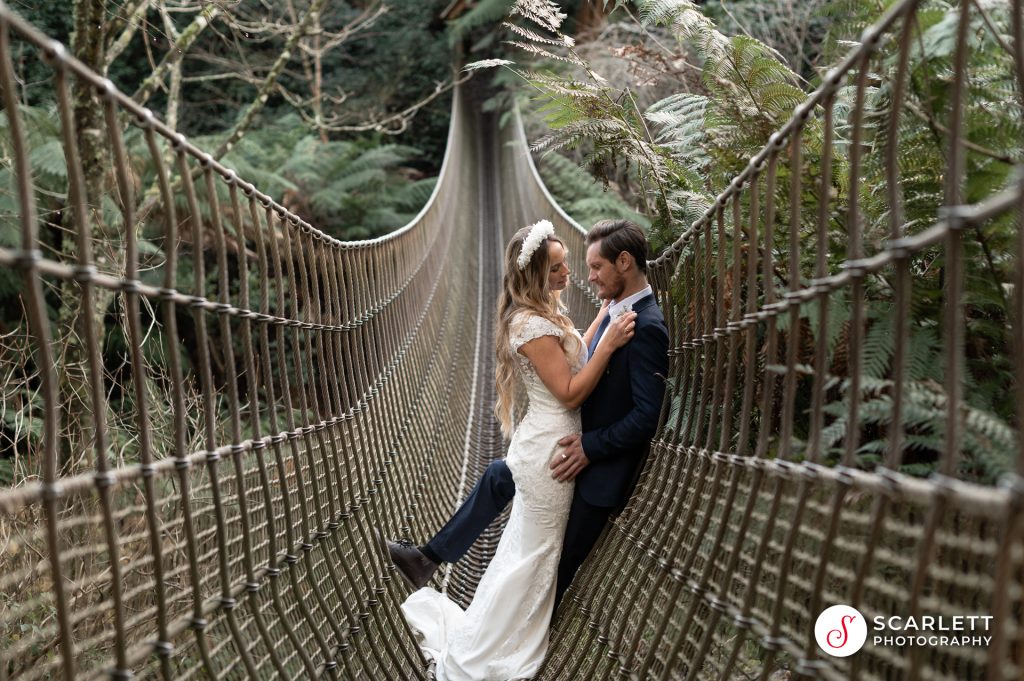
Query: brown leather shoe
(416, 569)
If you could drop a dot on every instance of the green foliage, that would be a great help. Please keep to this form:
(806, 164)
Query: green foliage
(483, 14)
(989, 445)
(580, 196)
(795, 30)
(589, 112)
(680, 120)
(350, 189)
(353, 189)
(686, 148)
(683, 149)
(49, 181)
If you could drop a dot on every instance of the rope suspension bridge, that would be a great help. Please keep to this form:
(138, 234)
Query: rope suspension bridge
(291, 394)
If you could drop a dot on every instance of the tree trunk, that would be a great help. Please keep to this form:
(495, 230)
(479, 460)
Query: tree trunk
(87, 45)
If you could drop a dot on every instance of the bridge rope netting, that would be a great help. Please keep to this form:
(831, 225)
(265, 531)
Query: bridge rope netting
(203, 494)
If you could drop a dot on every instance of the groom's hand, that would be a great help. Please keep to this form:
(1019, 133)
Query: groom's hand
(568, 463)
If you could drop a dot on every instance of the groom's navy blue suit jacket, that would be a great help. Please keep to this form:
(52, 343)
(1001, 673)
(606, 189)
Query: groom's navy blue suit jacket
(621, 415)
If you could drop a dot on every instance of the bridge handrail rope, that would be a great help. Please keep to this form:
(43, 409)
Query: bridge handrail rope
(325, 390)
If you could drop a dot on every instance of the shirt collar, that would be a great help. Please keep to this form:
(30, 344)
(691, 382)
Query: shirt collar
(619, 307)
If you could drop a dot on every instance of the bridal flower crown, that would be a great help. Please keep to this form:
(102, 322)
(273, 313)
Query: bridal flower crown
(538, 232)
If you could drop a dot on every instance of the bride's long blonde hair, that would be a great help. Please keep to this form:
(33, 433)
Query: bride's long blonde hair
(525, 290)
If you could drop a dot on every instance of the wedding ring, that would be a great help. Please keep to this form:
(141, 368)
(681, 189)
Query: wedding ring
(564, 457)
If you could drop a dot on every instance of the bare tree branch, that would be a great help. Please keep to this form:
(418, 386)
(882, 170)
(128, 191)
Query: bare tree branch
(310, 106)
(268, 84)
(177, 51)
(222, 76)
(397, 123)
(174, 91)
(131, 27)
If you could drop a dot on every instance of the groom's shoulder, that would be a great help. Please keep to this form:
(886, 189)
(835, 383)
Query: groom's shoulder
(651, 330)
(649, 312)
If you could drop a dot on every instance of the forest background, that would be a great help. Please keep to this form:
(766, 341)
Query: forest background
(639, 109)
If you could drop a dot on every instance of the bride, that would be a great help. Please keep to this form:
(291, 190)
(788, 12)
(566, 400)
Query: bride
(503, 635)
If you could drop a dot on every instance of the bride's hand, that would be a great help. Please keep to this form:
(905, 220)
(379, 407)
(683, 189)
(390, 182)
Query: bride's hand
(620, 331)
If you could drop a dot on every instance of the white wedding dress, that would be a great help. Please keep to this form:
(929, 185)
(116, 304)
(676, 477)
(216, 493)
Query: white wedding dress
(503, 635)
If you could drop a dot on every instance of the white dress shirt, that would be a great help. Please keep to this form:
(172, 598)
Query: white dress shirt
(618, 308)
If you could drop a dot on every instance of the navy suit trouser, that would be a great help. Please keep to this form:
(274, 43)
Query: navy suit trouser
(489, 498)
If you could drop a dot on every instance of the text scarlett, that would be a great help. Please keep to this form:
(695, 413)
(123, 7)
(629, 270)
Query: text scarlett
(933, 623)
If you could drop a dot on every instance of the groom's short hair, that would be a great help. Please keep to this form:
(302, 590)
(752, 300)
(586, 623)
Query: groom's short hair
(617, 236)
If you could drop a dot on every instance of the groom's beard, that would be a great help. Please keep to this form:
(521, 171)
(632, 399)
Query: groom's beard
(615, 291)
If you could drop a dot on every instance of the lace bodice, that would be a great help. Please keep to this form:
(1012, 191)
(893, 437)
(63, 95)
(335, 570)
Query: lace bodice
(526, 327)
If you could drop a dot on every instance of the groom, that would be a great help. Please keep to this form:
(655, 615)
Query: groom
(619, 419)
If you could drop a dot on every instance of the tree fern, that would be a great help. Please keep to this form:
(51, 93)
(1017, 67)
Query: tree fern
(48, 159)
(679, 120)
(413, 196)
(879, 345)
(349, 188)
(688, 24)
(579, 195)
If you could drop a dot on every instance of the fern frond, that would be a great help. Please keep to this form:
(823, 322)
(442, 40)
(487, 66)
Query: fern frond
(561, 41)
(268, 181)
(385, 219)
(688, 23)
(548, 143)
(680, 121)
(415, 195)
(361, 180)
(581, 196)
(689, 206)
(547, 54)
(48, 158)
(382, 157)
(487, 64)
(306, 162)
(10, 233)
(567, 86)
(544, 13)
